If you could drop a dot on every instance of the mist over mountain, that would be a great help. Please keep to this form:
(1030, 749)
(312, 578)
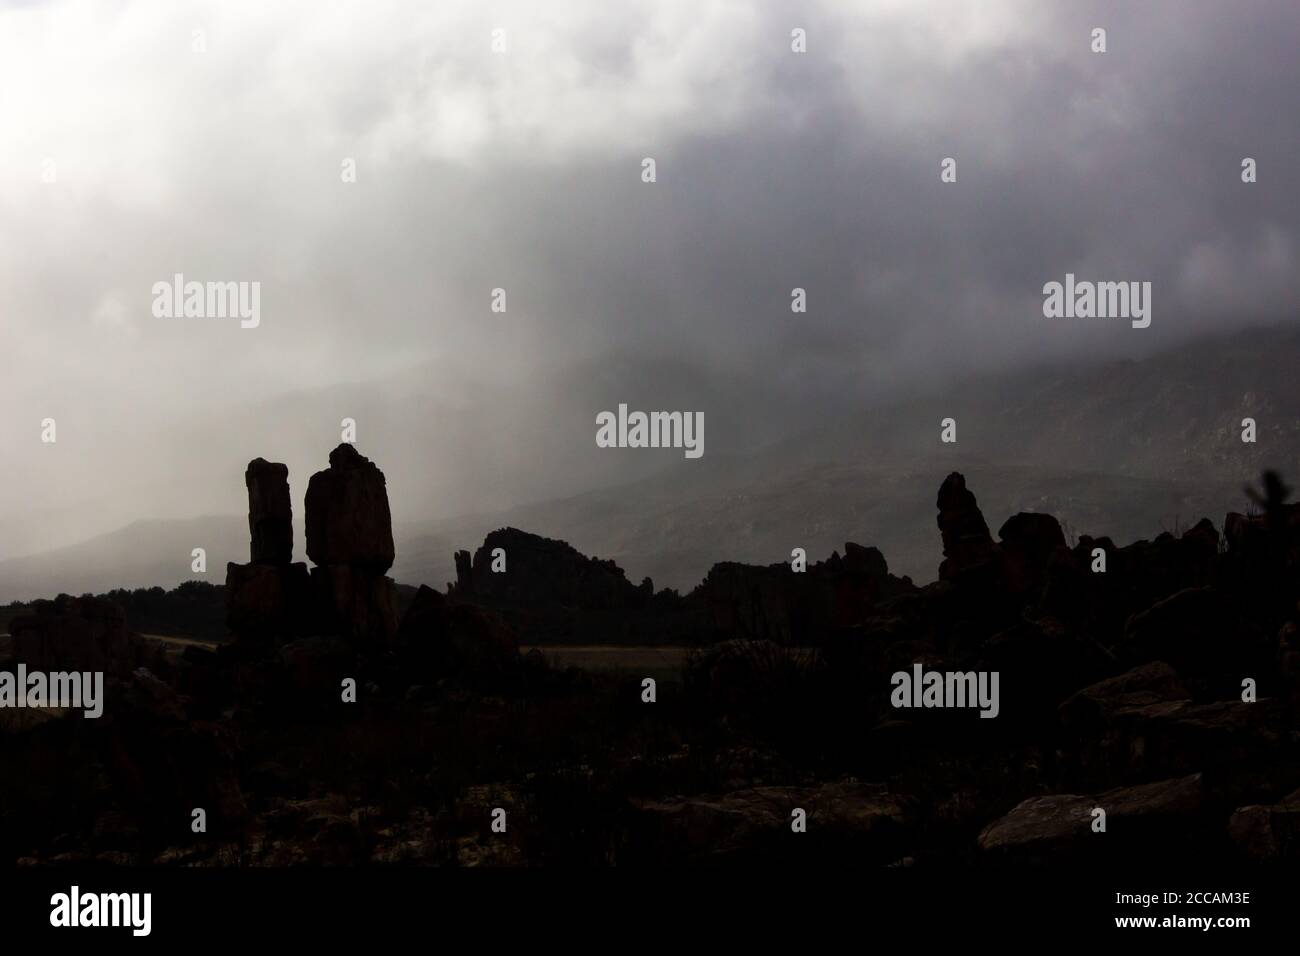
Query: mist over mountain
(521, 171)
(1123, 448)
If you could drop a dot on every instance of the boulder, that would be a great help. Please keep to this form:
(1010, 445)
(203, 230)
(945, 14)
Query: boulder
(757, 821)
(1029, 540)
(265, 601)
(966, 539)
(460, 640)
(1058, 827)
(314, 668)
(1040, 661)
(1268, 833)
(773, 602)
(542, 571)
(270, 514)
(464, 573)
(164, 764)
(1090, 713)
(348, 521)
(1201, 633)
(355, 602)
(73, 634)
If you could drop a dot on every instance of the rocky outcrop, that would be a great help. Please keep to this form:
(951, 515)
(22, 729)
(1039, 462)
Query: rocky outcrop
(270, 514)
(355, 602)
(1202, 634)
(1268, 833)
(776, 603)
(1160, 688)
(967, 543)
(464, 584)
(542, 570)
(1093, 711)
(166, 763)
(350, 537)
(269, 597)
(1029, 541)
(757, 822)
(550, 591)
(1059, 827)
(348, 521)
(461, 640)
(265, 601)
(73, 634)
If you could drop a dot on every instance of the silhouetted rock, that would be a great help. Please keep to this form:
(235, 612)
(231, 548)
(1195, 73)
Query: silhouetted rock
(1201, 633)
(1041, 661)
(1091, 712)
(348, 521)
(542, 570)
(315, 667)
(1121, 687)
(1100, 722)
(464, 573)
(355, 602)
(265, 601)
(776, 603)
(1268, 833)
(1029, 541)
(1144, 572)
(425, 618)
(73, 634)
(756, 822)
(966, 539)
(268, 598)
(553, 593)
(461, 640)
(1058, 827)
(167, 764)
(1263, 554)
(270, 514)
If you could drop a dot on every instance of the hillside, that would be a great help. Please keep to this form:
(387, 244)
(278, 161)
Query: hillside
(1126, 448)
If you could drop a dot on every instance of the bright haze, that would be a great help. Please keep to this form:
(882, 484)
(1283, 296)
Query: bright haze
(145, 139)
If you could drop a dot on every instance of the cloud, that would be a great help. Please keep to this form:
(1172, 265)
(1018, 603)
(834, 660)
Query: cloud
(478, 170)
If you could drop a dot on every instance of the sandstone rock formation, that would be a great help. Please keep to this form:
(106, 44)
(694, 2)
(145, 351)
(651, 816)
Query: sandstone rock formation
(1121, 688)
(454, 640)
(73, 634)
(349, 536)
(268, 600)
(867, 816)
(348, 521)
(966, 539)
(542, 570)
(269, 597)
(556, 594)
(1268, 833)
(1058, 827)
(1029, 542)
(270, 514)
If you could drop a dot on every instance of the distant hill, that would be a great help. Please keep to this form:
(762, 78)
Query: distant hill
(1125, 448)
(145, 553)
(674, 541)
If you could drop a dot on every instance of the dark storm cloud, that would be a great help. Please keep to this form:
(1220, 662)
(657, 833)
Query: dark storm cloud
(521, 170)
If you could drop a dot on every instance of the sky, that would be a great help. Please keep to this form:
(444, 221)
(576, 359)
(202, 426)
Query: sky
(145, 139)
